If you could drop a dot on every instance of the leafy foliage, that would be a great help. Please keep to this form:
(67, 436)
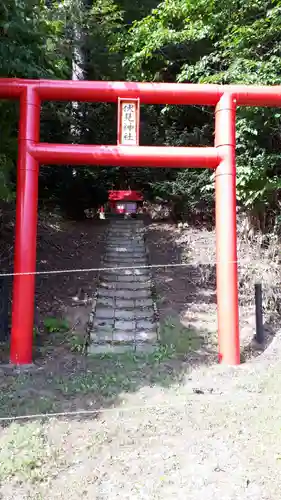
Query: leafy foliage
(175, 40)
(215, 42)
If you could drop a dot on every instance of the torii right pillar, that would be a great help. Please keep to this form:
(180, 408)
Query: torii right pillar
(226, 234)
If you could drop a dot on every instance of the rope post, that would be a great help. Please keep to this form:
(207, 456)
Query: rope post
(4, 309)
(259, 337)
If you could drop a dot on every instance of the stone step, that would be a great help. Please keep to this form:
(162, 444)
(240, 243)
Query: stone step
(127, 272)
(125, 227)
(123, 266)
(105, 301)
(119, 230)
(126, 263)
(129, 236)
(124, 285)
(124, 294)
(122, 240)
(132, 263)
(105, 313)
(127, 222)
(121, 348)
(123, 324)
(119, 247)
(105, 325)
(109, 276)
(128, 248)
(124, 234)
(124, 259)
(134, 221)
(124, 255)
(142, 302)
(125, 249)
(135, 314)
(121, 303)
(130, 226)
(115, 336)
(131, 303)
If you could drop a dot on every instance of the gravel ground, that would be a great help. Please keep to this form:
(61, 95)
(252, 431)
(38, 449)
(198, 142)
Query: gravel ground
(215, 436)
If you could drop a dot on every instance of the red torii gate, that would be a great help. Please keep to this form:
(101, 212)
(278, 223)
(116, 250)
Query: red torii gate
(32, 152)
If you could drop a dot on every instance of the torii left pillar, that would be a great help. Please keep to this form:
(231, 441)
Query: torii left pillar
(26, 229)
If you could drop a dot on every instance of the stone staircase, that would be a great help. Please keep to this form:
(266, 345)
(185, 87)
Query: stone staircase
(124, 316)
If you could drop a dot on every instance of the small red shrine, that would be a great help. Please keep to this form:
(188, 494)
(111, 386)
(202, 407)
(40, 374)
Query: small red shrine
(124, 202)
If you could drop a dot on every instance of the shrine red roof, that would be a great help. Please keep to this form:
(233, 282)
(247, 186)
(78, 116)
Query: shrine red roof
(125, 195)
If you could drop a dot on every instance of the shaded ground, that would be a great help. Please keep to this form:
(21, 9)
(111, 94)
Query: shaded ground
(169, 425)
(73, 246)
(62, 378)
(61, 245)
(188, 294)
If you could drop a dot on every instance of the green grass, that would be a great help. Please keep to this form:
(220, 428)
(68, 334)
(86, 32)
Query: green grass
(177, 340)
(23, 394)
(77, 344)
(25, 454)
(98, 379)
(110, 375)
(115, 373)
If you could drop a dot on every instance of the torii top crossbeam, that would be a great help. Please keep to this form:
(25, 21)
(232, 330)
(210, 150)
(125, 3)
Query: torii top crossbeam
(150, 93)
